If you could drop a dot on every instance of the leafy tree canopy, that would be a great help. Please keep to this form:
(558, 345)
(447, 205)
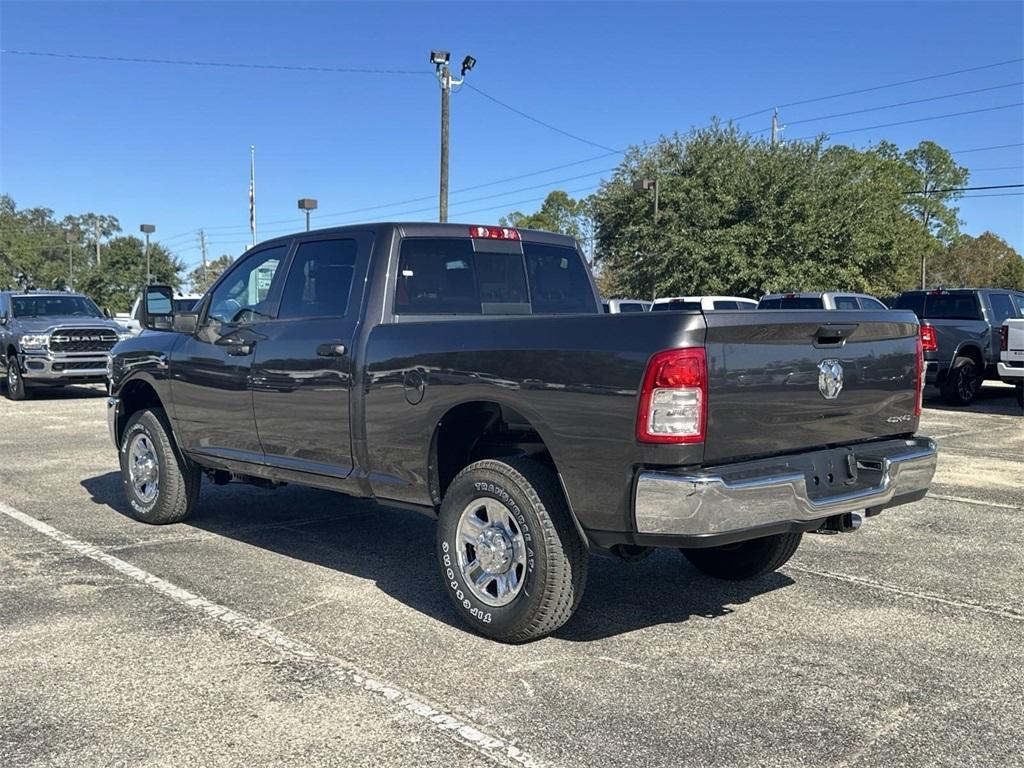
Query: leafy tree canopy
(983, 261)
(201, 278)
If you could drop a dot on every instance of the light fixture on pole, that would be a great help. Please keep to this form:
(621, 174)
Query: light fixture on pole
(307, 204)
(440, 60)
(645, 185)
(147, 229)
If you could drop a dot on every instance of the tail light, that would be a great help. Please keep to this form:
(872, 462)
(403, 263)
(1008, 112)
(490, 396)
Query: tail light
(674, 398)
(928, 340)
(919, 401)
(1004, 338)
(494, 233)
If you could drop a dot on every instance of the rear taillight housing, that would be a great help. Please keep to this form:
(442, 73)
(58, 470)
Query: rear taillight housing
(919, 400)
(929, 342)
(1004, 338)
(674, 398)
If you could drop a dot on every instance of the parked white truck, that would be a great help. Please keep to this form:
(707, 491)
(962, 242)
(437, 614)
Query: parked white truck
(1011, 355)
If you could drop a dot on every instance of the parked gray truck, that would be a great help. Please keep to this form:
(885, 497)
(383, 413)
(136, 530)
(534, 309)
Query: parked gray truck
(960, 335)
(468, 372)
(52, 338)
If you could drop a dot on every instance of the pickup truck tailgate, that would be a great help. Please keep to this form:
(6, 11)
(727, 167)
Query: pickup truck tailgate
(773, 378)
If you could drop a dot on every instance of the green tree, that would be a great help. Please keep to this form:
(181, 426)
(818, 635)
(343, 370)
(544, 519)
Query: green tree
(983, 261)
(202, 278)
(119, 281)
(558, 213)
(740, 216)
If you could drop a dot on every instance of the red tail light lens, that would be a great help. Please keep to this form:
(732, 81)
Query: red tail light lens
(928, 339)
(919, 402)
(1004, 338)
(674, 398)
(494, 233)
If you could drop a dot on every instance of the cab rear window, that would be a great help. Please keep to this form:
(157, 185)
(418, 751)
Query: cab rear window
(444, 276)
(941, 306)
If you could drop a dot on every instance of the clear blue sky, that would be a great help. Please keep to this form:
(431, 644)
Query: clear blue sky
(169, 145)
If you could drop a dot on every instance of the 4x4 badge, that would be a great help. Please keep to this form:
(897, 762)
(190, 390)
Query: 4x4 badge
(830, 378)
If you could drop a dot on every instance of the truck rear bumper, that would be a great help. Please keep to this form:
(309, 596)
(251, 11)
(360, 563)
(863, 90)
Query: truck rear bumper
(719, 501)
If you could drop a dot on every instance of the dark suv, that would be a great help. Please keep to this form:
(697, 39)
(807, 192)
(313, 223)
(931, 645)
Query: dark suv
(960, 334)
(53, 338)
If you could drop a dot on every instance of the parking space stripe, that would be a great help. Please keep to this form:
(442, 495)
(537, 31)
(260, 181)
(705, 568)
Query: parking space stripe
(979, 502)
(1004, 612)
(458, 728)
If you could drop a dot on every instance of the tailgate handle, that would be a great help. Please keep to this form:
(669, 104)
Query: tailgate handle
(833, 335)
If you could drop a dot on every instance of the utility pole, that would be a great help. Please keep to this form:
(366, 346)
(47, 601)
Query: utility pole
(69, 239)
(775, 127)
(96, 232)
(645, 185)
(202, 249)
(924, 254)
(440, 61)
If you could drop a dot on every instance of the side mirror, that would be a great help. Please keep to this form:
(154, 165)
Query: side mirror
(185, 322)
(3, 319)
(106, 313)
(157, 308)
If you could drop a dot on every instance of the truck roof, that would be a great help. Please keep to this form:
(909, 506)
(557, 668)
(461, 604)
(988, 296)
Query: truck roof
(427, 229)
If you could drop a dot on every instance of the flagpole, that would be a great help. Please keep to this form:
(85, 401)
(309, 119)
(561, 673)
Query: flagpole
(252, 191)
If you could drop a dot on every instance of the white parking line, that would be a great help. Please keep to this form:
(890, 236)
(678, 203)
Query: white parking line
(439, 718)
(980, 503)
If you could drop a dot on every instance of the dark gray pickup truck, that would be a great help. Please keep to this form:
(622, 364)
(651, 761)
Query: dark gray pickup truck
(52, 338)
(960, 332)
(468, 373)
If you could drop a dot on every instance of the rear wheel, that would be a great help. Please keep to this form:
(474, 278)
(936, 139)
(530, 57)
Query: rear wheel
(1020, 394)
(745, 560)
(510, 558)
(161, 485)
(962, 382)
(15, 383)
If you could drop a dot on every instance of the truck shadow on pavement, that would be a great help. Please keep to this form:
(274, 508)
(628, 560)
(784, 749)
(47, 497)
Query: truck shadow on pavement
(395, 550)
(993, 399)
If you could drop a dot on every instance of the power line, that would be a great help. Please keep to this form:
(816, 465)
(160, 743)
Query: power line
(897, 104)
(986, 149)
(880, 87)
(993, 194)
(223, 64)
(549, 126)
(908, 122)
(997, 168)
(963, 189)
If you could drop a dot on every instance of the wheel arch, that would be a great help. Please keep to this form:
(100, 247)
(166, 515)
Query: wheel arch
(478, 429)
(135, 395)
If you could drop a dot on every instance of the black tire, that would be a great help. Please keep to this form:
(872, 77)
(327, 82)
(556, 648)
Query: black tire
(15, 386)
(178, 479)
(745, 560)
(1020, 394)
(962, 382)
(554, 568)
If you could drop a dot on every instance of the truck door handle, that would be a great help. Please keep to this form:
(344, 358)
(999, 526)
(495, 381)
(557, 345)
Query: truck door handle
(331, 350)
(240, 350)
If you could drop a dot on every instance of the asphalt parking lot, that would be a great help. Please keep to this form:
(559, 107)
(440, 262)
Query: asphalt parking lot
(300, 627)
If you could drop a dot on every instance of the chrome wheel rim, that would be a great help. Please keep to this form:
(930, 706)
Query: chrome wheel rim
(144, 468)
(491, 552)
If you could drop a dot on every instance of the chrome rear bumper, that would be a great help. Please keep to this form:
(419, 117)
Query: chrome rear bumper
(721, 500)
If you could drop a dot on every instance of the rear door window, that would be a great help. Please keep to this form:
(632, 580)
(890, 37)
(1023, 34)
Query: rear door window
(847, 302)
(867, 303)
(1001, 306)
(319, 279)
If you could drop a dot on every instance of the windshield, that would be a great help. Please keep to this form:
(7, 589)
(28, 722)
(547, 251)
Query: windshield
(54, 306)
(790, 302)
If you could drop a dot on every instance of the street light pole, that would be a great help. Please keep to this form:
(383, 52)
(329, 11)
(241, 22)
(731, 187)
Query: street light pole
(147, 229)
(307, 204)
(440, 61)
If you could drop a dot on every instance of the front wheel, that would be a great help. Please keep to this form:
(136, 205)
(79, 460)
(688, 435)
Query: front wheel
(511, 560)
(161, 485)
(1020, 394)
(15, 383)
(745, 560)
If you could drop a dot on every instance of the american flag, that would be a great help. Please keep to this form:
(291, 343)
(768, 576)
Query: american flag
(252, 192)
